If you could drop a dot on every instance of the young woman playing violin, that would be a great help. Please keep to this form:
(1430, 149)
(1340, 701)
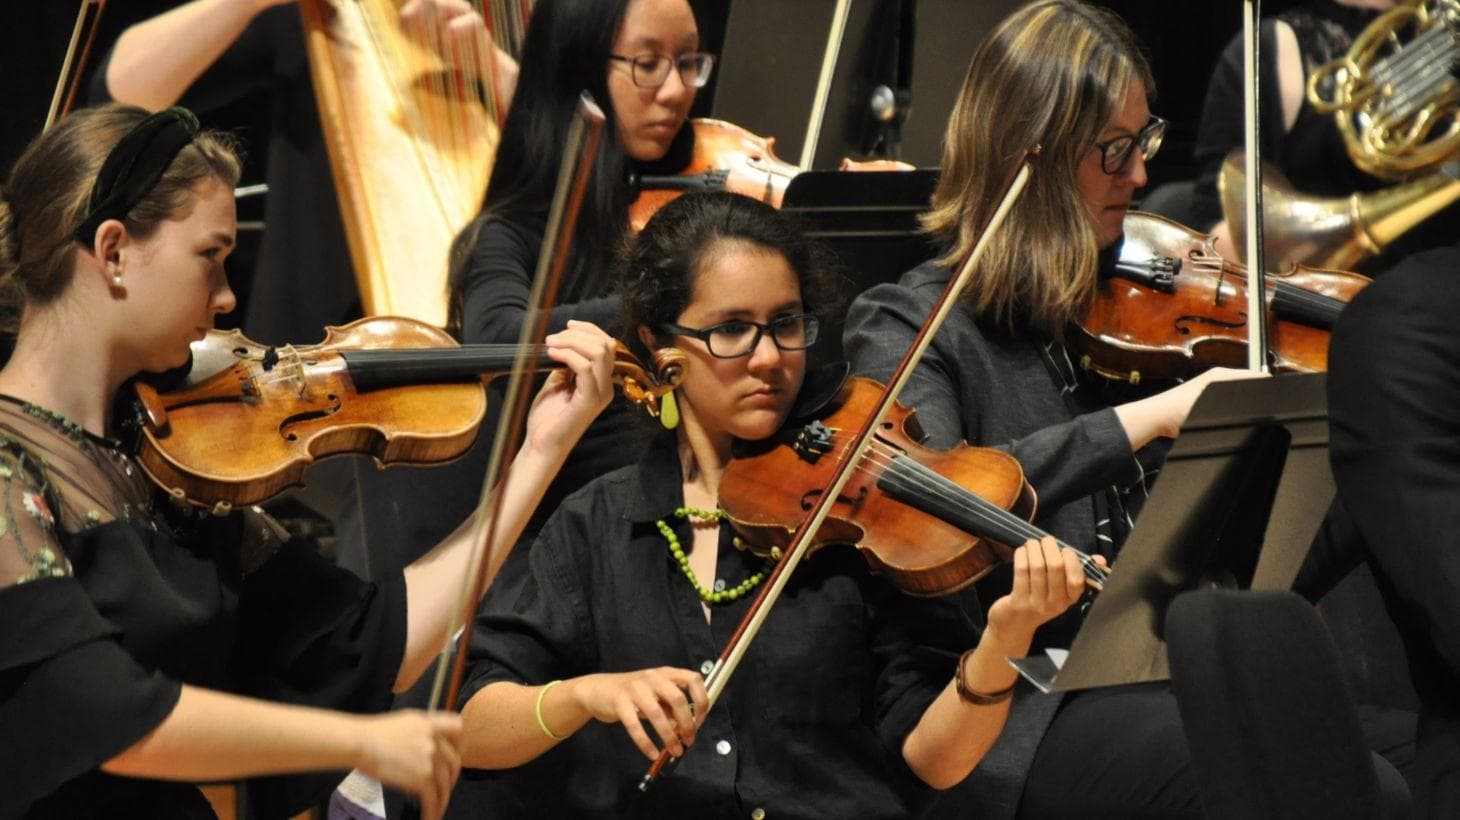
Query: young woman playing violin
(640, 61)
(846, 705)
(143, 647)
(1069, 77)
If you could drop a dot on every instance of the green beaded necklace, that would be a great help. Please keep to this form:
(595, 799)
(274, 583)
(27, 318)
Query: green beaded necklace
(709, 596)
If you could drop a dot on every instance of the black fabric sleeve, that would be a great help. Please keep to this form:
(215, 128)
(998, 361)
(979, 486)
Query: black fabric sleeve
(1063, 461)
(313, 633)
(71, 697)
(915, 643)
(498, 285)
(538, 627)
(1393, 386)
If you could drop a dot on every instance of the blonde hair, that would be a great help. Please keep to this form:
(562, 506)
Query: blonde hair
(1053, 74)
(45, 199)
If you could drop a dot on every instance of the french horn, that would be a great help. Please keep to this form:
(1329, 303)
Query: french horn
(1392, 94)
(1335, 232)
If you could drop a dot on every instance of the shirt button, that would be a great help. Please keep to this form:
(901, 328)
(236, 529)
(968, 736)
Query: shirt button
(707, 667)
(719, 584)
(757, 814)
(722, 747)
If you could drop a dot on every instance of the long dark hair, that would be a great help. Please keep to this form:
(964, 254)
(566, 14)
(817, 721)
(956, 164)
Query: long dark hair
(565, 52)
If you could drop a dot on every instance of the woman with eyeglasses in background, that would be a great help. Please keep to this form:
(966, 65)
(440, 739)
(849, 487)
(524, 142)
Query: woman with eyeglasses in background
(1070, 78)
(641, 63)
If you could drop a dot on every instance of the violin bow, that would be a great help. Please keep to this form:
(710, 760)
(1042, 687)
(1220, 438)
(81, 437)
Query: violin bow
(584, 138)
(823, 82)
(1256, 267)
(848, 460)
(74, 65)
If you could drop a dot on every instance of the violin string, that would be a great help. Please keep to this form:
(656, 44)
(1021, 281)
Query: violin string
(980, 509)
(1295, 293)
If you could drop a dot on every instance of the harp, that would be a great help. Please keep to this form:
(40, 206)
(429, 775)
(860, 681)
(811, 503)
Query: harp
(411, 121)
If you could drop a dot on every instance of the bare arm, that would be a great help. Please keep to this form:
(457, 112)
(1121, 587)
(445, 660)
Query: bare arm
(211, 735)
(1164, 413)
(501, 720)
(560, 414)
(156, 60)
(953, 734)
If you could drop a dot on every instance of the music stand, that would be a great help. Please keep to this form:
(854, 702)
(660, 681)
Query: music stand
(1238, 503)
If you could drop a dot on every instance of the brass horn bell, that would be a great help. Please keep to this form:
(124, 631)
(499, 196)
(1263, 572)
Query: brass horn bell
(1336, 232)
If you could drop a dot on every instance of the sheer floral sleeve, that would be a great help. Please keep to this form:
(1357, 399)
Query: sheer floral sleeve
(29, 548)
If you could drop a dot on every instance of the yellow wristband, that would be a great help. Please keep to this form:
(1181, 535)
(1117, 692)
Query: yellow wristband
(541, 693)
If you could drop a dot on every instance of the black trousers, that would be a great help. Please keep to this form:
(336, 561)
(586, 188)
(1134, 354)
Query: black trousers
(1120, 752)
(1117, 752)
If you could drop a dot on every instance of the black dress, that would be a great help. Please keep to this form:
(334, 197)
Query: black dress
(110, 604)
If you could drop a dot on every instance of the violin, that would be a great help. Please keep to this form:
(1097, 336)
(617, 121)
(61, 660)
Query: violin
(397, 389)
(1173, 307)
(728, 157)
(930, 521)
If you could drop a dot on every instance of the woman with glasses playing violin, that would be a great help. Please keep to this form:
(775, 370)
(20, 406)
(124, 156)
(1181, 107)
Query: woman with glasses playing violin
(846, 704)
(641, 63)
(1069, 77)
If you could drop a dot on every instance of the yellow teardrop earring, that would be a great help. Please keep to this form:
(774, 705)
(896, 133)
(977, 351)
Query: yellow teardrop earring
(668, 411)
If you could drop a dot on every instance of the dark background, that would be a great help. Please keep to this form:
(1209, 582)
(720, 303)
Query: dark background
(770, 53)
(769, 57)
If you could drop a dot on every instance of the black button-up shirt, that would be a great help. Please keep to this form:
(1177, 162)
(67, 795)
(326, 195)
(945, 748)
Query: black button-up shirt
(812, 723)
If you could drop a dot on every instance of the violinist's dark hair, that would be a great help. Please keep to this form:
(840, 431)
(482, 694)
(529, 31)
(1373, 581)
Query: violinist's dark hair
(566, 51)
(658, 273)
(45, 197)
(1053, 73)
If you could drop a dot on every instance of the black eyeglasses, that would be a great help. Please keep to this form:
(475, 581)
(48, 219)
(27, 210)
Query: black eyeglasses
(651, 70)
(731, 340)
(1115, 153)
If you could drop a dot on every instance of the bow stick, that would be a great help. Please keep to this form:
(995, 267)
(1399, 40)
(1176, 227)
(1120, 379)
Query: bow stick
(1256, 269)
(583, 140)
(72, 65)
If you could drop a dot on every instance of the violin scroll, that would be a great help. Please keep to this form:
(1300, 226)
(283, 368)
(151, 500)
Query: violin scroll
(644, 389)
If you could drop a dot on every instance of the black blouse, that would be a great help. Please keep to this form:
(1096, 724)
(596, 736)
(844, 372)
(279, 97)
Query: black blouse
(813, 722)
(109, 607)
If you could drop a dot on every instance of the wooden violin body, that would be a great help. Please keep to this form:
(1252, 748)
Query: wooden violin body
(249, 431)
(393, 388)
(902, 507)
(1174, 307)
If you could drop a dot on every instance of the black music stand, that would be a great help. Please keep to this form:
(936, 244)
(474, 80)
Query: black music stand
(869, 219)
(1237, 504)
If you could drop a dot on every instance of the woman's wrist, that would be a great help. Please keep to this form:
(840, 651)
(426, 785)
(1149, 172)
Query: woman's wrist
(562, 707)
(1007, 640)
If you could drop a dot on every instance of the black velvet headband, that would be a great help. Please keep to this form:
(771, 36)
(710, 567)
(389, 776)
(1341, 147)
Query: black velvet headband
(134, 166)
